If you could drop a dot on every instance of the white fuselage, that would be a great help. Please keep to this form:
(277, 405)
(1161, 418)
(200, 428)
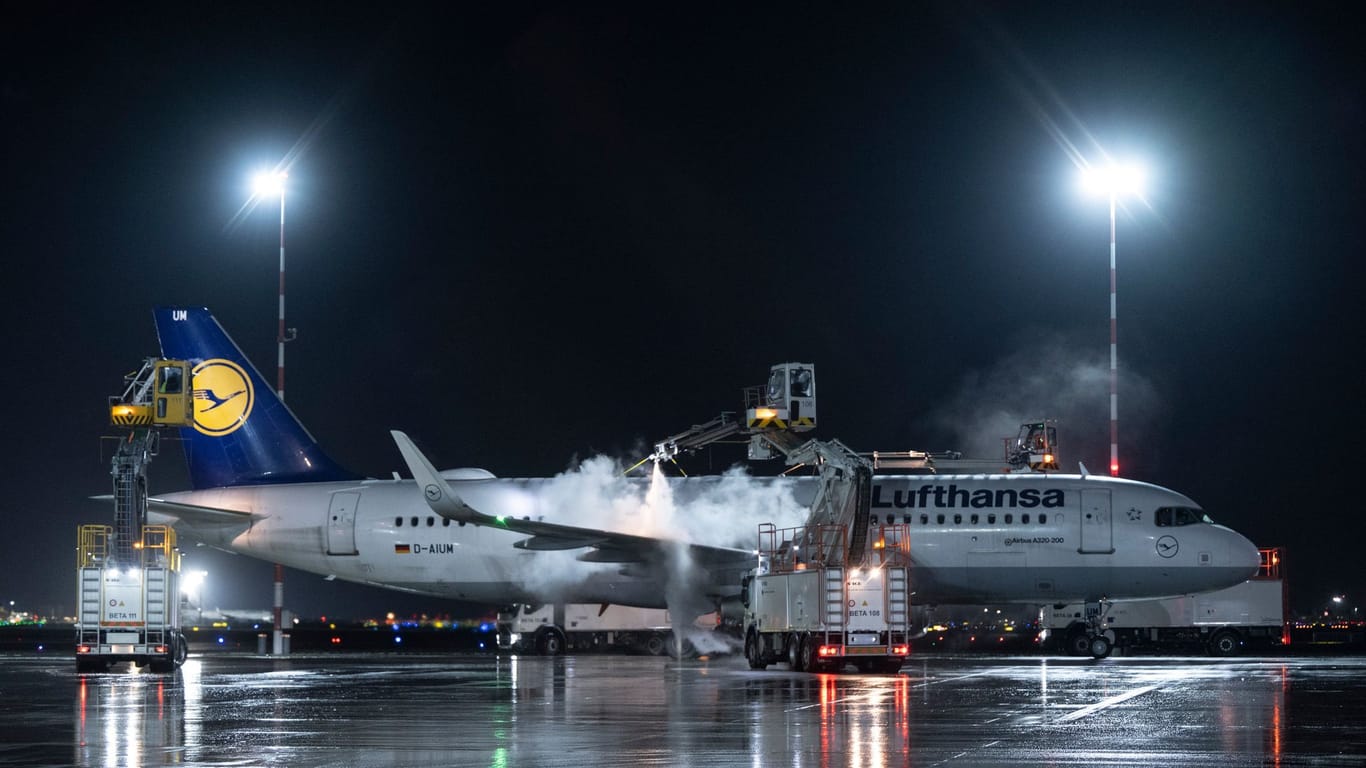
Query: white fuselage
(974, 539)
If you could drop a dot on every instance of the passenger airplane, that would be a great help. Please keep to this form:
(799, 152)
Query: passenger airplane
(264, 488)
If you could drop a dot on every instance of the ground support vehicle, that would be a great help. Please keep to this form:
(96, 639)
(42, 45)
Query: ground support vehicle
(1226, 622)
(822, 616)
(129, 612)
(556, 628)
(128, 574)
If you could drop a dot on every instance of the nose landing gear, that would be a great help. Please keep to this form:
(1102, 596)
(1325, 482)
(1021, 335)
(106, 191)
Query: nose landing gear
(1091, 638)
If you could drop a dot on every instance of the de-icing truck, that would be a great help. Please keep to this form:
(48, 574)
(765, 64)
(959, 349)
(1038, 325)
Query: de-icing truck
(820, 613)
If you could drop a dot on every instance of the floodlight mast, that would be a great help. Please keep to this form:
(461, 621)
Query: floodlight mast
(264, 185)
(1112, 181)
(267, 184)
(1114, 341)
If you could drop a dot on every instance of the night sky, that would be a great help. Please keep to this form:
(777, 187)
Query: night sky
(528, 236)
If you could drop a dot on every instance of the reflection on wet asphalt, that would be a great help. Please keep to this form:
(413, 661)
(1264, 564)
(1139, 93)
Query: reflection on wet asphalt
(598, 711)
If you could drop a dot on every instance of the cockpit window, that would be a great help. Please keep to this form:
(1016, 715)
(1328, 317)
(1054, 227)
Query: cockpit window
(1175, 516)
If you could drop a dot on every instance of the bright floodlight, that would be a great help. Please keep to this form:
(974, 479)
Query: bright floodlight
(269, 184)
(192, 581)
(1114, 180)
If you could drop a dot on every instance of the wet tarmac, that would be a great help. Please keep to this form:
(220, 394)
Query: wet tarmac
(599, 711)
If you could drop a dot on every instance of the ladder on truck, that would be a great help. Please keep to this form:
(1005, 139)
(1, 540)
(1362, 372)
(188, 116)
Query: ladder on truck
(159, 394)
(844, 495)
(129, 471)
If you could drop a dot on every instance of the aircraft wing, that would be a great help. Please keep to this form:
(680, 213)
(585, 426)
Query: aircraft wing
(603, 546)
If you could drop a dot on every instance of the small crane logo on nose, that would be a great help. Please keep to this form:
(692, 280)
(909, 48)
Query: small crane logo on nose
(1168, 546)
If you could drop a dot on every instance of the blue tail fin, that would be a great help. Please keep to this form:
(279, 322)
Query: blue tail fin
(243, 434)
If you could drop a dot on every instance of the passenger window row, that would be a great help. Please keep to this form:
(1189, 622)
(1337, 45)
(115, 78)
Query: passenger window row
(939, 519)
(414, 521)
(973, 519)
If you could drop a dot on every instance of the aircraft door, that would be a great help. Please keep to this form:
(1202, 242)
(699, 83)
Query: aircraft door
(1097, 523)
(341, 523)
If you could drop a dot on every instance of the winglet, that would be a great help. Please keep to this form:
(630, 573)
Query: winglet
(1082, 467)
(435, 489)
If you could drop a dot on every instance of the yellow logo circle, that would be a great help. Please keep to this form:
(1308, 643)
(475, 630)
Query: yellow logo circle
(223, 397)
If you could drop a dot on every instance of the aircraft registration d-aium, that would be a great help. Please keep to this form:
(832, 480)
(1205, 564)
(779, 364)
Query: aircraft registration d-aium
(263, 487)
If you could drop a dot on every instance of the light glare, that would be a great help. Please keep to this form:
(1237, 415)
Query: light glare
(192, 581)
(269, 184)
(1114, 179)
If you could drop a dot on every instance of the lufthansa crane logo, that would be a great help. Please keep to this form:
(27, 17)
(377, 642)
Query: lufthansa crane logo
(223, 397)
(1168, 546)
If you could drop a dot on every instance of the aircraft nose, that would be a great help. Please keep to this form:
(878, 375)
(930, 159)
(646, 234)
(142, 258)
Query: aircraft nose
(1243, 554)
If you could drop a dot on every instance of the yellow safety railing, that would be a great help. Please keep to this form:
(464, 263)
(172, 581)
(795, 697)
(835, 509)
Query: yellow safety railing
(93, 549)
(159, 540)
(157, 546)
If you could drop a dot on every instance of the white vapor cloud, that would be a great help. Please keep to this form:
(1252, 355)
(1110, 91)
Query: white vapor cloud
(723, 510)
(1053, 377)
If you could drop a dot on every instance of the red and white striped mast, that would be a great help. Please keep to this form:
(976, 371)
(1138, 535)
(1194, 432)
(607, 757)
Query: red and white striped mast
(274, 184)
(1114, 180)
(280, 332)
(1114, 341)
(278, 609)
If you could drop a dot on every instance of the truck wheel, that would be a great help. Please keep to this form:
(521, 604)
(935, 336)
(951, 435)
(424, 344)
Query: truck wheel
(1226, 643)
(753, 652)
(1099, 647)
(794, 653)
(550, 643)
(810, 661)
(655, 645)
(681, 648)
(1078, 644)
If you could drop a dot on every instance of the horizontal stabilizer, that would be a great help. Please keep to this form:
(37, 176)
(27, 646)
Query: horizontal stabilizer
(193, 514)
